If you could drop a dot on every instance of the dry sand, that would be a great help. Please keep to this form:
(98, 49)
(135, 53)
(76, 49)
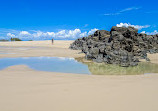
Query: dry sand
(24, 89)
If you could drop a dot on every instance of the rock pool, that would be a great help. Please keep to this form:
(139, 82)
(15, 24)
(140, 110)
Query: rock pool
(71, 65)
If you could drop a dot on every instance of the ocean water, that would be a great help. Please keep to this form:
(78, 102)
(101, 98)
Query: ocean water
(71, 65)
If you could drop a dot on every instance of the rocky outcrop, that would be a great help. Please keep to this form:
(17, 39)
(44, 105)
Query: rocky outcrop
(123, 46)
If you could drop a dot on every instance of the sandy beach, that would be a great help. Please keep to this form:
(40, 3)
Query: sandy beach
(24, 89)
(37, 48)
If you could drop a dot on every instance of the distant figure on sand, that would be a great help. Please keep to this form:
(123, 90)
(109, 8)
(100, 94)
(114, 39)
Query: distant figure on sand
(52, 41)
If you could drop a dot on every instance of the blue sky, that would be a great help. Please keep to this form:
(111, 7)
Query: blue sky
(44, 19)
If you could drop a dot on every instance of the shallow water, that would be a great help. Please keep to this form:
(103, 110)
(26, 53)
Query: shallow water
(70, 65)
(50, 64)
(108, 69)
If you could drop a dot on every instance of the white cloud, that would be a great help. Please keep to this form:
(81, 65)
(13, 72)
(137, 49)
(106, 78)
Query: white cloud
(150, 33)
(107, 14)
(84, 34)
(10, 35)
(129, 9)
(37, 34)
(139, 27)
(24, 33)
(51, 33)
(62, 34)
(143, 32)
(123, 11)
(73, 33)
(92, 31)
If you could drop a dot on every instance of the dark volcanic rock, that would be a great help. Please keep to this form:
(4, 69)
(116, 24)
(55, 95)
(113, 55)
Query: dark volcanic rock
(123, 46)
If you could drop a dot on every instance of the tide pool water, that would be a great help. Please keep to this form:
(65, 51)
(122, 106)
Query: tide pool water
(6, 53)
(71, 65)
(50, 64)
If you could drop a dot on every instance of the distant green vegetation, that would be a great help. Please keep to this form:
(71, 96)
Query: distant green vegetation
(12, 39)
(15, 39)
(3, 40)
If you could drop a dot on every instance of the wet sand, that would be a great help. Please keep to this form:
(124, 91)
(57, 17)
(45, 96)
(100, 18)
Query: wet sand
(24, 89)
(37, 48)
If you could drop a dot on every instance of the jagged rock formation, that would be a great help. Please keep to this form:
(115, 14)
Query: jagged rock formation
(123, 46)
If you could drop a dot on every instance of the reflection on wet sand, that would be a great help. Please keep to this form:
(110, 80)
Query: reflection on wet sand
(110, 69)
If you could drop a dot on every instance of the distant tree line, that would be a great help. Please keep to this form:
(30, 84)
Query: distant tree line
(15, 39)
(3, 40)
(12, 39)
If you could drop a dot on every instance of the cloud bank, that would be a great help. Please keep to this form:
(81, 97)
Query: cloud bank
(10, 35)
(62, 34)
(150, 33)
(139, 27)
(40, 35)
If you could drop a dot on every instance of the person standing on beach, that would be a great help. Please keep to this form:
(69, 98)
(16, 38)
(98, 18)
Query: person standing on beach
(52, 41)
